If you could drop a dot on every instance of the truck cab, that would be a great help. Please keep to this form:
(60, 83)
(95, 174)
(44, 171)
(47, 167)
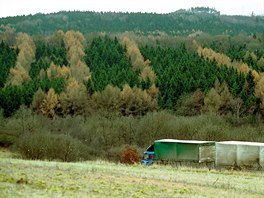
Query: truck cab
(148, 156)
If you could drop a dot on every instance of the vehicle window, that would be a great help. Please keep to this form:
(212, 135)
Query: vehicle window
(151, 148)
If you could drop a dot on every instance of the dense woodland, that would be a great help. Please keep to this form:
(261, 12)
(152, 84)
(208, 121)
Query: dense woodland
(181, 22)
(93, 93)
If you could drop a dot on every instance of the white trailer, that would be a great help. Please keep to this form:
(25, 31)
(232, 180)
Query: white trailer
(230, 153)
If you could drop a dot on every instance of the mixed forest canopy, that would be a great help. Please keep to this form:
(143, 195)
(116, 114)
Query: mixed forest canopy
(68, 73)
(128, 66)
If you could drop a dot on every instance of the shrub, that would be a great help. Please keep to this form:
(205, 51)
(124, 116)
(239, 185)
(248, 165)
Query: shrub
(130, 155)
(114, 154)
(51, 147)
(190, 104)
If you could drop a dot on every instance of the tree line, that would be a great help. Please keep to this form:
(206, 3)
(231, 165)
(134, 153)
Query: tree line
(183, 22)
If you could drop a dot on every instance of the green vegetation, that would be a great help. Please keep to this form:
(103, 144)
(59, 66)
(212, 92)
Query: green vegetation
(104, 135)
(25, 178)
(182, 22)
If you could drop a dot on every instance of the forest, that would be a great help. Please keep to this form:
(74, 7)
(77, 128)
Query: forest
(180, 22)
(93, 93)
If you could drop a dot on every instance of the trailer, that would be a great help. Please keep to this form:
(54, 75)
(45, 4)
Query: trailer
(240, 154)
(172, 150)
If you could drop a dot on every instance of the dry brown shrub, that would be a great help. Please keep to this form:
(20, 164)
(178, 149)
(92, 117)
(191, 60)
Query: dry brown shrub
(130, 155)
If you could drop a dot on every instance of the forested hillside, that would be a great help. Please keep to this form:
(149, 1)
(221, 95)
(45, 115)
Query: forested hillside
(57, 75)
(128, 87)
(182, 22)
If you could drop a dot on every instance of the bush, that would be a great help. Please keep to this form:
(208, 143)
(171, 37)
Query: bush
(7, 138)
(51, 147)
(114, 154)
(190, 104)
(130, 155)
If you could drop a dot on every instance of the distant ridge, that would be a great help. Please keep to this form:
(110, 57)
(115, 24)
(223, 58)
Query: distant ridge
(181, 22)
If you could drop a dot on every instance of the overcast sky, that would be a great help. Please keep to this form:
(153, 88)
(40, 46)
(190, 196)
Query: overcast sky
(230, 7)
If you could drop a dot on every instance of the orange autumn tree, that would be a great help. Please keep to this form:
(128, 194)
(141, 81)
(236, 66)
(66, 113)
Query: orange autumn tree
(74, 97)
(218, 99)
(137, 60)
(75, 44)
(47, 104)
(135, 101)
(223, 59)
(26, 55)
(55, 71)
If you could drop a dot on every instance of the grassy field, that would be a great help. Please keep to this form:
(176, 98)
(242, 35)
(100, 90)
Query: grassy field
(25, 178)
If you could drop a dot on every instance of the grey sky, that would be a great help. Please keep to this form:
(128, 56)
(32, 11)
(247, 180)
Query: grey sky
(230, 7)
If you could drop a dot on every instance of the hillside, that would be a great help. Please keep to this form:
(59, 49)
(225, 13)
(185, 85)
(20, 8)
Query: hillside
(182, 22)
(25, 178)
(96, 90)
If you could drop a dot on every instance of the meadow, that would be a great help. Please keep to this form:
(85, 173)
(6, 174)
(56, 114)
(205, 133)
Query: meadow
(34, 178)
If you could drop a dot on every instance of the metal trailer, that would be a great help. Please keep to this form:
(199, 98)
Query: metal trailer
(237, 153)
(172, 150)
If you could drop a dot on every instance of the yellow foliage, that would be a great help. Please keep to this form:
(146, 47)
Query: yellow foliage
(75, 42)
(148, 74)
(259, 90)
(55, 71)
(244, 68)
(126, 93)
(73, 87)
(24, 38)
(74, 97)
(147, 63)
(136, 101)
(69, 39)
(17, 75)
(63, 72)
(26, 55)
(218, 98)
(81, 71)
(75, 54)
(27, 50)
(79, 36)
(133, 52)
(153, 91)
(255, 75)
(137, 60)
(50, 104)
(221, 59)
(259, 86)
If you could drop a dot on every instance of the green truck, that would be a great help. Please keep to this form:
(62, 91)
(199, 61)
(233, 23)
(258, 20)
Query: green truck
(172, 150)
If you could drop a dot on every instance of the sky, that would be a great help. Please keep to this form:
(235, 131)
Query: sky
(229, 7)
